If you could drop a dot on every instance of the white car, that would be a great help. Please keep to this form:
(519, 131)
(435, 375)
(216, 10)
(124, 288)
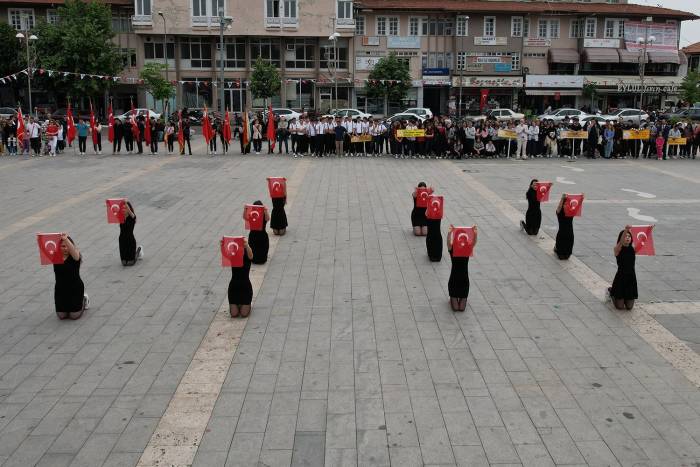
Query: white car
(127, 115)
(500, 115)
(563, 115)
(352, 113)
(421, 111)
(405, 117)
(631, 116)
(288, 114)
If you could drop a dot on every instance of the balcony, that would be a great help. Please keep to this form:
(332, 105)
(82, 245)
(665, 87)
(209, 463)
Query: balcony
(345, 23)
(281, 23)
(141, 20)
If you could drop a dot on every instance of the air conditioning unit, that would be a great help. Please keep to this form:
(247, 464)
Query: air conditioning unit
(526, 70)
(290, 47)
(218, 46)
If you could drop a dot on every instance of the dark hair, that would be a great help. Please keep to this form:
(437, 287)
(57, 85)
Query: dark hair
(131, 207)
(534, 180)
(80, 260)
(422, 184)
(258, 203)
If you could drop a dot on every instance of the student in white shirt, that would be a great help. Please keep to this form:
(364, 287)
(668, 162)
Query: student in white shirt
(522, 137)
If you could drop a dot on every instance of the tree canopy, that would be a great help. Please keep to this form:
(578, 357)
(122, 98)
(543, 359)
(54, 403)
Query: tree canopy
(389, 78)
(265, 80)
(689, 87)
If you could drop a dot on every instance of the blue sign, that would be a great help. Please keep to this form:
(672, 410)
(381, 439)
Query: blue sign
(436, 71)
(503, 67)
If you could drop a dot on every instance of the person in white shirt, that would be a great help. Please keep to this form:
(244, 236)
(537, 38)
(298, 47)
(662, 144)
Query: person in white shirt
(319, 129)
(365, 132)
(357, 131)
(533, 136)
(522, 137)
(34, 136)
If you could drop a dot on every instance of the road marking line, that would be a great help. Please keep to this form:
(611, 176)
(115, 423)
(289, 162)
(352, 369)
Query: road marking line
(634, 214)
(179, 432)
(629, 201)
(667, 172)
(675, 351)
(641, 194)
(565, 181)
(670, 308)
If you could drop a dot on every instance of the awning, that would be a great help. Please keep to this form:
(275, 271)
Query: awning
(552, 92)
(563, 56)
(601, 55)
(664, 56)
(628, 56)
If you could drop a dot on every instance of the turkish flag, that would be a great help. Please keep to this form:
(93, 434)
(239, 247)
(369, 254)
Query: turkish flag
(110, 122)
(254, 216)
(70, 123)
(484, 99)
(20, 127)
(226, 131)
(93, 124)
(206, 126)
(271, 134)
(542, 189)
(180, 131)
(147, 131)
(643, 240)
(232, 251)
(49, 248)
(422, 195)
(435, 207)
(463, 242)
(115, 210)
(573, 205)
(277, 186)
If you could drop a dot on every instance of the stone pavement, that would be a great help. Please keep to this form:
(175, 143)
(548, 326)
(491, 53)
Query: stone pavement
(351, 355)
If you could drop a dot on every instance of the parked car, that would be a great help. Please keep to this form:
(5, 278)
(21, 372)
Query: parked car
(421, 111)
(127, 115)
(7, 112)
(632, 116)
(563, 115)
(352, 113)
(405, 117)
(77, 114)
(599, 118)
(500, 115)
(288, 114)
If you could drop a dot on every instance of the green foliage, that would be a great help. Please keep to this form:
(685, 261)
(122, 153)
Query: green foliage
(689, 87)
(389, 68)
(265, 80)
(80, 42)
(12, 58)
(155, 82)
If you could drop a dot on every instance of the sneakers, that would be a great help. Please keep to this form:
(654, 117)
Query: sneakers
(139, 252)
(86, 302)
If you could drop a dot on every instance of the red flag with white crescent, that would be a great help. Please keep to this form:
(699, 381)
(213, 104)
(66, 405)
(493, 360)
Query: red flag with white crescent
(70, 123)
(20, 127)
(435, 207)
(542, 189)
(573, 204)
(110, 122)
(277, 186)
(463, 242)
(226, 132)
(180, 130)
(147, 131)
(271, 134)
(49, 248)
(254, 216)
(116, 210)
(643, 239)
(422, 195)
(93, 125)
(232, 251)
(206, 126)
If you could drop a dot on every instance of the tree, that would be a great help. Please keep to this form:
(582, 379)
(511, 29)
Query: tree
(590, 91)
(689, 87)
(80, 42)
(159, 87)
(389, 79)
(12, 58)
(265, 80)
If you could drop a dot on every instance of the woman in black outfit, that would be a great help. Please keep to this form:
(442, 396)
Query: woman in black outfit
(128, 251)
(458, 285)
(240, 290)
(433, 239)
(69, 292)
(259, 241)
(624, 287)
(117, 142)
(533, 216)
(418, 220)
(278, 220)
(565, 236)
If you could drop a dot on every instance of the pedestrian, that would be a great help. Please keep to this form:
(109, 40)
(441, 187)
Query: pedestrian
(283, 136)
(660, 146)
(140, 133)
(257, 136)
(83, 132)
(170, 137)
(593, 138)
(240, 290)
(128, 133)
(222, 136)
(564, 244)
(186, 133)
(533, 215)
(418, 219)
(69, 293)
(258, 239)
(128, 251)
(154, 134)
(97, 138)
(340, 132)
(521, 132)
(278, 219)
(35, 136)
(609, 139)
(433, 239)
(214, 129)
(118, 135)
(623, 291)
(52, 136)
(458, 283)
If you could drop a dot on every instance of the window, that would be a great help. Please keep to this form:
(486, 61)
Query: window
(576, 28)
(393, 26)
(344, 9)
(121, 22)
(51, 16)
(299, 53)
(387, 26)
(22, 19)
(272, 9)
(234, 49)
(198, 51)
(437, 60)
(462, 25)
(590, 30)
(267, 49)
(614, 28)
(328, 54)
(128, 58)
(516, 26)
(381, 26)
(526, 27)
(360, 25)
(548, 28)
(414, 26)
(436, 26)
(290, 8)
(489, 26)
(143, 7)
(203, 8)
(461, 60)
(153, 50)
(515, 61)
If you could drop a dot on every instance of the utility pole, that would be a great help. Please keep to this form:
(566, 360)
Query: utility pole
(165, 59)
(224, 21)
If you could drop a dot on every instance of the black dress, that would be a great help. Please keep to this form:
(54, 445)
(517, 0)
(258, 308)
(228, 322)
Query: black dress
(458, 285)
(418, 215)
(533, 216)
(565, 236)
(433, 241)
(127, 242)
(624, 286)
(260, 244)
(240, 290)
(278, 218)
(69, 289)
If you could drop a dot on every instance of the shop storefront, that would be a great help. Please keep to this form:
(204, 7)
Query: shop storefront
(436, 85)
(491, 92)
(615, 92)
(555, 91)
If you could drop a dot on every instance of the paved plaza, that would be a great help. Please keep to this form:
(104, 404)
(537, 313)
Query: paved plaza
(351, 356)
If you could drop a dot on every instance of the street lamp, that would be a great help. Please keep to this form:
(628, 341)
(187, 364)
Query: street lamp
(644, 42)
(464, 62)
(224, 22)
(165, 52)
(334, 38)
(27, 37)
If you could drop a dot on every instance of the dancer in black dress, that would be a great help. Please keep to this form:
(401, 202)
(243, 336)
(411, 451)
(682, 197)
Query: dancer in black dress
(565, 236)
(69, 292)
(624, 287)
(433, 239)
(240, 290)
(458, 285)
(278, 220)
(128, 251)
(418, 220)
(533, 216)
(258, 240)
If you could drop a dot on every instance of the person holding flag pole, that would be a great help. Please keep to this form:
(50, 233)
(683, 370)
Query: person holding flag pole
(180, 133)
(70, 127)
(95, 132)
(20, 127)
(245, 133)
(110, 122)
(226, 133)
(271, 132)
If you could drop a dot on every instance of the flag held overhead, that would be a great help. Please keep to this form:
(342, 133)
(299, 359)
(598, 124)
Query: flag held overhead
(232, 251)
(49, 248)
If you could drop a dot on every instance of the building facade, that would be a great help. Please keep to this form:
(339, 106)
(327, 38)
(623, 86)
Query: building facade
(692, 52)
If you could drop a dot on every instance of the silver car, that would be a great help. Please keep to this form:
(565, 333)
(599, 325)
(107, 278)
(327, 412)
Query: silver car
(631, 116)
(563, 115)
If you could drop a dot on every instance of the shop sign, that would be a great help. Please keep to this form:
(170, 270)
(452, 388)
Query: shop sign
(648, 88)
(370, 40)
(474, 67)
(436, 81)
(487, 59)
(503, 67)
(554, 81)
(601, 43)
(366, 63)
(489, 81)
(483, 40)
(436, 71)
(537, 42)
(403, 42)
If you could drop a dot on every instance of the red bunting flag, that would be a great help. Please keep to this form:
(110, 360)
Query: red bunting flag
(226, 132)
(271, 134)
(422, 195)
(70, 123)
(116, 210)
(542, 189)
(49, 248)
(110, 122)
(573, 205)
(277, 186)
(232, 251)
(20, 128)
(254, 216)
(435, 207)
(643, 240)
(463, 242)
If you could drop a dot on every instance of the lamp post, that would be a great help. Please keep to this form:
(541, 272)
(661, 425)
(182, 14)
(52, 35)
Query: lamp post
(28, 37)
(165, 54)
(224, 22)
(464, 62)
(334, 38)
(644, 42)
